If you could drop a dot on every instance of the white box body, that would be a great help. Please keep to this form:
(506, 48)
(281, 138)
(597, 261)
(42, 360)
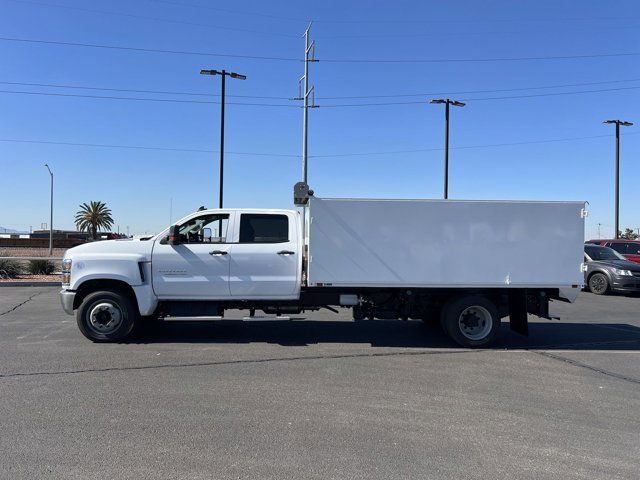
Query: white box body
(445, 243)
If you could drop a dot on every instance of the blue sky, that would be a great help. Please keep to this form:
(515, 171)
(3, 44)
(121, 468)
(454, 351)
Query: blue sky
(139, 185)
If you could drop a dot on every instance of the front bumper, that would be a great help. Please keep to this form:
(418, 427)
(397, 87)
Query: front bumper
(66, 299)
(626, 284)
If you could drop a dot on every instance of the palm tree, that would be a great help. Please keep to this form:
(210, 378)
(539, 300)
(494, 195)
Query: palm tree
(92, 217)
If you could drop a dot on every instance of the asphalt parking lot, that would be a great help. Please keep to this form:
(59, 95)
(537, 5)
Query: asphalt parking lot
(295, 399)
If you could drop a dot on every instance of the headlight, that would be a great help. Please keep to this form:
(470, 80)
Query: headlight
(625, 273)
(66, 265)
(66, 272)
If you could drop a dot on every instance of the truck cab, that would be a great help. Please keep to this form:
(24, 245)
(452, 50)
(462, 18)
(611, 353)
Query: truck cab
(190, 268)
(226, 254)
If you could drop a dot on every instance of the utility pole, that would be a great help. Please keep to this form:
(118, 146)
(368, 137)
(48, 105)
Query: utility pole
(447, 102)
(599, 236)
(224, 74)
(306, 92)
(617, 187)
(50, 213)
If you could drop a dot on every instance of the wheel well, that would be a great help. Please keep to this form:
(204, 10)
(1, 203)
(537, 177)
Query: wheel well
(593, 273)
(91, 286)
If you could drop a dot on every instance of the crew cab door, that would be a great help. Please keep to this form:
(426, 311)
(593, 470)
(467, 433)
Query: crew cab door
(266, 261)
(198, 267)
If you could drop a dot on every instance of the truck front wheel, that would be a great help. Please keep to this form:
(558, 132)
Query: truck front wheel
(471, 321)
(106, 316)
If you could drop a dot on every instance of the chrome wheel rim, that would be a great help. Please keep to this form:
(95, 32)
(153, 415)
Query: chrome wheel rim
(105, 317)
(598, 283)
(475, 322)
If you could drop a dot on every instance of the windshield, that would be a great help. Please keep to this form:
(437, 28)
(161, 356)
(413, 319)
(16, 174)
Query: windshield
(602, 253)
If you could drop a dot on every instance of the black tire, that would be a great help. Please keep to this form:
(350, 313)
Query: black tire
(471, 321)
(599, 284)
(106, 316)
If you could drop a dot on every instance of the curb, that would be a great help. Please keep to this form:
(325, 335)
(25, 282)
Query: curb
(30, 284)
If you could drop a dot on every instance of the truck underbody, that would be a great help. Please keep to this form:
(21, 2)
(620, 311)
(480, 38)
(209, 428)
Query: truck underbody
(380, 303)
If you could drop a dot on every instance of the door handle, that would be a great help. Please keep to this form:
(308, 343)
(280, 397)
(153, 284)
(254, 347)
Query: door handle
(286, 252)
(218, 252)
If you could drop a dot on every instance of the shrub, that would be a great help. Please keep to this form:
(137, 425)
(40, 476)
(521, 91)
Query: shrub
(10, 268)
(40, 267)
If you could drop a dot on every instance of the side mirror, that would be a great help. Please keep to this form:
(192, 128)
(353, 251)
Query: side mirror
(206, 235)
(174, 235)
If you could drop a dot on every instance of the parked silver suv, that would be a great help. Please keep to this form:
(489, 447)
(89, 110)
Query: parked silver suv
(608, 271)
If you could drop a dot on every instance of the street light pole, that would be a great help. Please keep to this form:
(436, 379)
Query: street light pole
(617, 174)
(446, 150)
(50, 213)
(224, 74)
(222, 92)
(447, 102)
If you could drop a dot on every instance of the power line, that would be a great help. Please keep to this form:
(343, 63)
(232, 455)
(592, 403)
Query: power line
(418, 102)
(155, 19)
(226, 10)
(425, 94)
(146, 50)
(480, 60)
(142, 147)
(553, 94)
(337, 105)
(140, 99)
(466, 33)
(110, 89)
(335, 155)
(475, 21)
(469, 147)
(330, 60)
(399, 21)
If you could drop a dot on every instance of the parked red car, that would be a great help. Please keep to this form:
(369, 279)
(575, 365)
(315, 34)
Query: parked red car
(630, 249)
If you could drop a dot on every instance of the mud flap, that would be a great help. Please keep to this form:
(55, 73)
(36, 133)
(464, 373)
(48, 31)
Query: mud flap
(518, 311)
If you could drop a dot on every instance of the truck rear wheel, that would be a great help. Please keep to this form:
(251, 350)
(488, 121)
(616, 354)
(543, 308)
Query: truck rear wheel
(106, 316)
(471, 321)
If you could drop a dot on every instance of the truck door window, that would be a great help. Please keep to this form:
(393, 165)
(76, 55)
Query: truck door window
(263, 228)
(205, 229)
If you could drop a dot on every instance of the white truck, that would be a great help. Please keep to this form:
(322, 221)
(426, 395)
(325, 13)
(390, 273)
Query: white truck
(466, 264)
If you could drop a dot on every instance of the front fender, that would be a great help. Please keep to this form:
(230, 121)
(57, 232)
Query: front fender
(123, 267)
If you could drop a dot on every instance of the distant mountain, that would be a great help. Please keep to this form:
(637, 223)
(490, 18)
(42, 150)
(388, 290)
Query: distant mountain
(7, 230)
